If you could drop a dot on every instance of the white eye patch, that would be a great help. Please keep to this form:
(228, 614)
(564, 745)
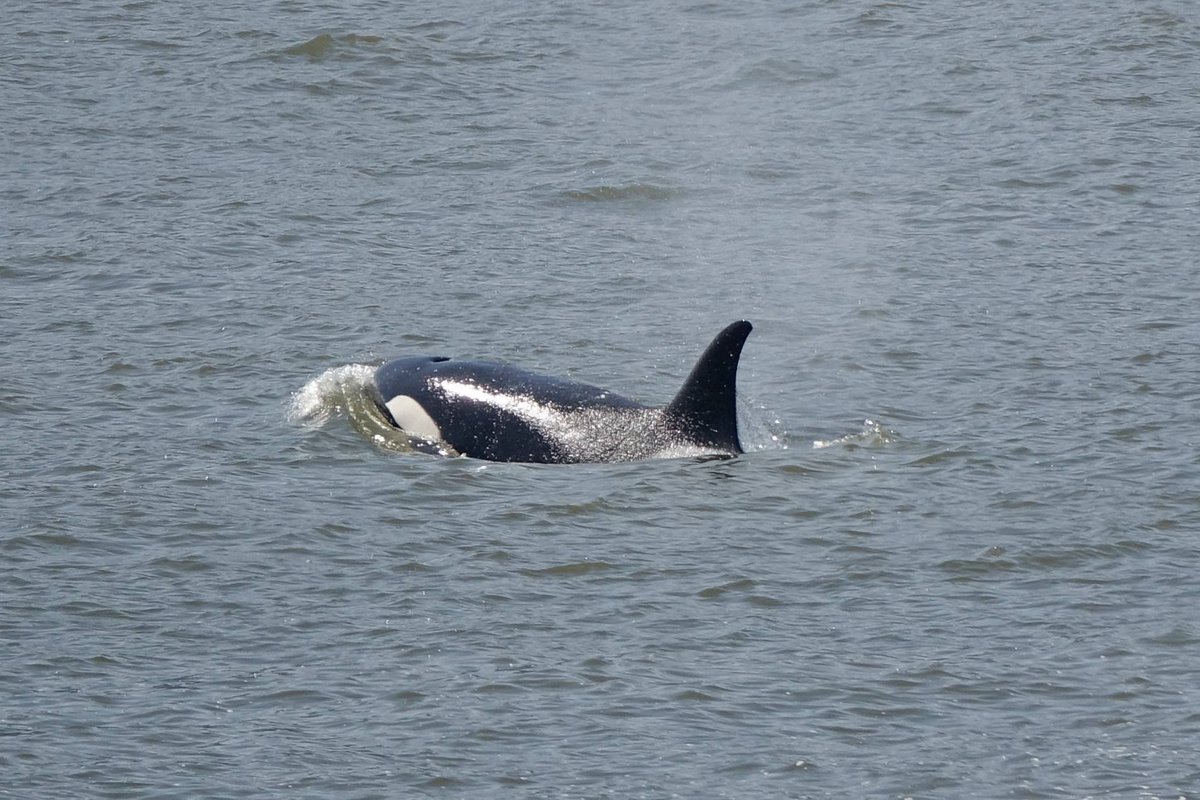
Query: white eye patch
(412, 418)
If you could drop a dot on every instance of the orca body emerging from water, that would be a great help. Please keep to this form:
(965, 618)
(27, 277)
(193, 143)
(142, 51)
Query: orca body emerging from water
(501, 413)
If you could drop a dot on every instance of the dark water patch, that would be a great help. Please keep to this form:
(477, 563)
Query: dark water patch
(499, 688)
(1179, 636)
(442, 783)
(182, 565)
(996, 562)
(733, 586)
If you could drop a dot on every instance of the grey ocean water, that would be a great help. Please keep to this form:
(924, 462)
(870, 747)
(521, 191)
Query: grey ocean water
(960, 559)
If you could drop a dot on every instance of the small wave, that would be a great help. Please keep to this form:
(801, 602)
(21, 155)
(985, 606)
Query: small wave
(781, 71)
(873, 434)
(321, 45)
(629, 191)
(572, 570)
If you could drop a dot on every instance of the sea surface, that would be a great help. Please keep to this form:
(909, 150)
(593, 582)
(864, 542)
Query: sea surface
(960, 559)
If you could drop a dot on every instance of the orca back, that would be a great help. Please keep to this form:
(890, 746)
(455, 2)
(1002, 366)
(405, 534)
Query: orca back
(504, 413)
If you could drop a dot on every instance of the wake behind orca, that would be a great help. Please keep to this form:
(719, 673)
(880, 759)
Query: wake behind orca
(502, 413)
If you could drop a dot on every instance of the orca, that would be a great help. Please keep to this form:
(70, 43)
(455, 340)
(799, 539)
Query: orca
(498, 412)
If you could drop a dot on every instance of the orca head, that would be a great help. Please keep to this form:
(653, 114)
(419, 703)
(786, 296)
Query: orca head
(402, 392)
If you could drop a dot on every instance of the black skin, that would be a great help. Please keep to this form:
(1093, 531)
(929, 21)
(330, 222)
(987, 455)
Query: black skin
(511, 414)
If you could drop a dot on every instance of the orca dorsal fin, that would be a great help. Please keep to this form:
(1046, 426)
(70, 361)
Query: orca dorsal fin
(705, 409)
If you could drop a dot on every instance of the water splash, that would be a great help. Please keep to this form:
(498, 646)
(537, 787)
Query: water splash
(346, 391)
(758, 428)
(334, 392)
(873, 434)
